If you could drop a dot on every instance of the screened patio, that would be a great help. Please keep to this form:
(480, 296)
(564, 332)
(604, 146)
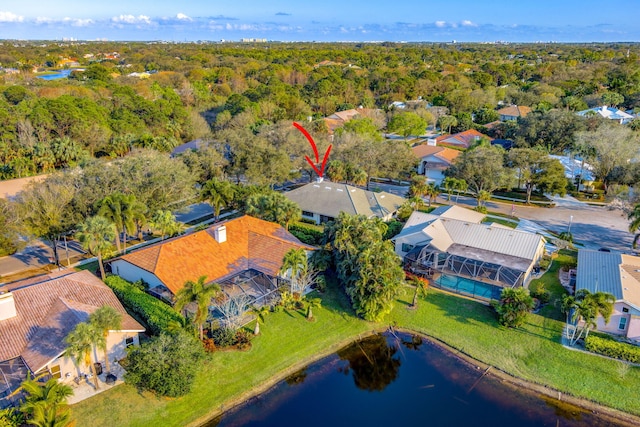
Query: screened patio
(246, 289)
(472, 263)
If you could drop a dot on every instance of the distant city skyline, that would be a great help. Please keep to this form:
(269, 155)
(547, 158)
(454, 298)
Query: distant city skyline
(329, 20)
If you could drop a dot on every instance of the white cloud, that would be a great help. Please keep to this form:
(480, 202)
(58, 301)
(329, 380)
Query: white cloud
(78, 22)
(43, 20)
(130, 19)
(467, 23)
(440, 24)
(183, 17)
(10, 17)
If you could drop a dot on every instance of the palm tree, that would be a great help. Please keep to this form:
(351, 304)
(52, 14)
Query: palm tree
(218, 194)
(80, 343)
(336, 171)
(447, 122)
(587, 307)
(420, 291)
(261, 313)
(103, 320)
(165, 222)
(124, 210)
(449, 184)
(461, 185)
(95, 235)
(634, 216)
(201, 293)
(311, 303)
(418, 186)
(294, 263)
(432, 193)
(46, 404)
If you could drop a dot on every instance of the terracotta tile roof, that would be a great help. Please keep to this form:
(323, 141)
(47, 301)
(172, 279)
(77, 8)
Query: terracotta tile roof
(515, 111)
(463, 139)
(339, 118)
(251, 243)
(48, 309)
(445, 154)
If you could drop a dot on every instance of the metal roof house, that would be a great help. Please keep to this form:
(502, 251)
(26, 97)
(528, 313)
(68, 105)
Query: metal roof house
(619, 275)
(323, 201)
(461, 254)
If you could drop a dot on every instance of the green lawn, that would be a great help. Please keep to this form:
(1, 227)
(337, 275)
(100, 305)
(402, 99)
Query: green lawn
(288, 342)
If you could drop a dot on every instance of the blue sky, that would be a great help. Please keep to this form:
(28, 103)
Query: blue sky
(327, 20)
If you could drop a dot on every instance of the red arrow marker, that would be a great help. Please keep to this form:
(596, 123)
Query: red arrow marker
(320, 171)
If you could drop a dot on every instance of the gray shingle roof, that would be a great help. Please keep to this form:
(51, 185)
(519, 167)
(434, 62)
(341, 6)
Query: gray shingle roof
(329, 199)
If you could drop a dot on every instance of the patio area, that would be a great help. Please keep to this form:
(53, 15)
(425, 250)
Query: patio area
(84, 388)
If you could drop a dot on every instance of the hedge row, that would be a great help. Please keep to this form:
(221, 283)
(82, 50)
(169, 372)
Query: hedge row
(612, 348)
(306, 234)
(154, 313)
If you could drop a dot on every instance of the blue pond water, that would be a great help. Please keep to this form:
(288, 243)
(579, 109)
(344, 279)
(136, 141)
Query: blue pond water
(400, 380)
(61, 74)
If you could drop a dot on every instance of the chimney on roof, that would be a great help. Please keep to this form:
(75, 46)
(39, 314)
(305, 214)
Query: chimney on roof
(7, 306)
(220, 234)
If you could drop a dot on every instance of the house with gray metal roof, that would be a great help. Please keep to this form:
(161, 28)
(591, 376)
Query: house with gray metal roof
(619, 275)
(323, 201)
(464, 255)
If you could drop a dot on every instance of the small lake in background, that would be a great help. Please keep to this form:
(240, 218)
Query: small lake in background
(61, 74)
(400, 380)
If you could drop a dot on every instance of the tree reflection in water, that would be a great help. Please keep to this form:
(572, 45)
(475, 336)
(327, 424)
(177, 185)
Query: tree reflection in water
(372, 361)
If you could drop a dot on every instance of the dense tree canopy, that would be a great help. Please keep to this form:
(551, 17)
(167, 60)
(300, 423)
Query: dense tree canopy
(367, 266)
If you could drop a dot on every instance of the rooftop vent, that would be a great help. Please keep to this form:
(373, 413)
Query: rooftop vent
(7, 306)
(220, 234)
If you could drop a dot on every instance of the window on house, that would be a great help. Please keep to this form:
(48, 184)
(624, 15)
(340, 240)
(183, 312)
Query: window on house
(307, 214)
(406, 247)
(55, 372)
(128, 341)
(623, 323)
(625, 310)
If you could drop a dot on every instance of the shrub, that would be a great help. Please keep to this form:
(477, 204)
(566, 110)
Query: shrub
(306, 234)
(481, 209)
(165, 365)
(11, 417)
(321, 283)
(223, 337)
(610, 347)
(539, 292)
(393, 228)
(513, 306)
(243, 338)
(545, 262)
(565, 235)
(157, 315)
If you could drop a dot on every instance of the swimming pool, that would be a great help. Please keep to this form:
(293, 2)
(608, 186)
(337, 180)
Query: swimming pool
(473, 288)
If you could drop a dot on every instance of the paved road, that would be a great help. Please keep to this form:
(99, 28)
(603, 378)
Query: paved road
(37, 255)
(593, 226)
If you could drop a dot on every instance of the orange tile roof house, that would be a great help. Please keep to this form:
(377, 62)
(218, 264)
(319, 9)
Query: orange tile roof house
(461, 140)
(221, 252)
(37, 314)
(434, 160)
(512, 112)
(339, 118)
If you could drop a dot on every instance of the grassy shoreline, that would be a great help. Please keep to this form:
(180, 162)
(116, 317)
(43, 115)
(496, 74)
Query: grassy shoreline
(288, 342)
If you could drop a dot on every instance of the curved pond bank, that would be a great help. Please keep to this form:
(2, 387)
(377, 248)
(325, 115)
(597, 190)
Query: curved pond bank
(402, 378)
